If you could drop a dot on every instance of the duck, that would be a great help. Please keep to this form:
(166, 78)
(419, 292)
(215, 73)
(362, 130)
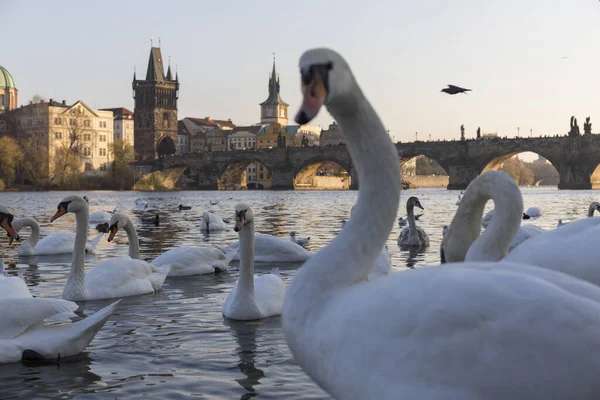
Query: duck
(413, 235)
(54, 243)
(594, 206)
(213, 202)
(182, 207)
(301, 242)
(211, 222)
(112, 278)
(449, 332)
(184, 261)
(252, 297)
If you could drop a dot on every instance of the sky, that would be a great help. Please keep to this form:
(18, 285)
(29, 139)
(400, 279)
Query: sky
(509, 52)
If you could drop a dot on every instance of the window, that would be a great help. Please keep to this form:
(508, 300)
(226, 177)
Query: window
(57, 121)
(58, 135)
(102, 152)
(86, 123)
(88, 167)
(103, 167)
(166, 123)
(102, 124)
(87, 151)
(261, 175)
(87, 136)
(72, 122)
(103, 138)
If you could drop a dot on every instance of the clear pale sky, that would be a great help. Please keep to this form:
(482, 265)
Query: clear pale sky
(402, 53)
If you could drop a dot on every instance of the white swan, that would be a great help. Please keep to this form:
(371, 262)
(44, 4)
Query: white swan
(487, 218)
(252, 297)
(115, 277)
(534, 212)
(413, 235)
(184, 261)
(383, 262)
(12, 286)
(459, 197)
(55, 243)
(273, 249)
(211, 222)
(100, 217)
(466, 331)
(301, 242)
(594, 206)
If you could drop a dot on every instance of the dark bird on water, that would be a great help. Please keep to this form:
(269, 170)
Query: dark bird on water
(451, 89)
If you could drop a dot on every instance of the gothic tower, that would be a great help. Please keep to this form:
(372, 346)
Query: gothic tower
(274, 109)
(155, 112)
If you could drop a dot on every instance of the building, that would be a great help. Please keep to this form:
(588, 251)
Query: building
(9, 95)
(155, 128)
(212, 133)
(274, 109)
(122, 124)
(331, 136)
(243, 137)
(183, 138)
(303, 135)
(60, 128)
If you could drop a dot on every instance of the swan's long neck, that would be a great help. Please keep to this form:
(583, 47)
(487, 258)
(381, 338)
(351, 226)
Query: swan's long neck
(134, 241)
(410, 212)
(34, 238)
(349, 258)
(591, 209)
(463, 242)
(246, 278)
(75, 286)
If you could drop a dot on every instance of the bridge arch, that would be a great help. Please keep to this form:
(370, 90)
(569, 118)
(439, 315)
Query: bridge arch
(420, 169)
(542, 171)
(165, 146)
(323, 172)
(245, 172)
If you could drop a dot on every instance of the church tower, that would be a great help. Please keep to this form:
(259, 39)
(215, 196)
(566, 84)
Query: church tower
(274, 109)
(155, 112)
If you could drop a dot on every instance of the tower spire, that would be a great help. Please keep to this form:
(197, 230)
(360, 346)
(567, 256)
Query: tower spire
(134, 78)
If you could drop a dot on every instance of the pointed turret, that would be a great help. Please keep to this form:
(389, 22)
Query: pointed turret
(156, 70)
(169, 75)
(274, 88)
(134, 78)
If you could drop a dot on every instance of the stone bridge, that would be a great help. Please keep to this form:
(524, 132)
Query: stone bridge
(575, 159)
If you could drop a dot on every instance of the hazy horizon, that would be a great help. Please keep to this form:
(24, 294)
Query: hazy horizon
(402, 53)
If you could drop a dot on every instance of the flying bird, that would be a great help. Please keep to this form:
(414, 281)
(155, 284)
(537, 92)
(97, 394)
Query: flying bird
(451, 89)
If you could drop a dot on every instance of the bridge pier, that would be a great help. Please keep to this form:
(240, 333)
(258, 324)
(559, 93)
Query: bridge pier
(207, 179)
(574, 176)
(461, 175)
(282, 178)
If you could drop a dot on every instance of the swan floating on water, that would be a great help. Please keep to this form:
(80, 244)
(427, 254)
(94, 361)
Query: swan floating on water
(594, 206)
(184, 261)
(211, 222)
(534, 212)
(54, 243)
(413, 235)
(252, 297)
(115, 277)
(273, 249)
(498, 322)
(301, 242)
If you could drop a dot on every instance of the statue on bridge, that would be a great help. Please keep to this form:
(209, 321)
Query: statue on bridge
(587, 127)
(280, 141)
(574, 127)
(478, 132)
(462, 132)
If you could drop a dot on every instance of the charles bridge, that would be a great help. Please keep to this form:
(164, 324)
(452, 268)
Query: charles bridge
(574, 157)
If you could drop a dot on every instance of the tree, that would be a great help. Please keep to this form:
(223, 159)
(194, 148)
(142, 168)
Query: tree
(11, 156)
(121, 173)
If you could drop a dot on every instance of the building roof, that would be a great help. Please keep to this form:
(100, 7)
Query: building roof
(156, 71)
(6, 79)
(274, 88)
(182, 129)
(333, 132)
(119, 112)
(208, 122)
(253, 129)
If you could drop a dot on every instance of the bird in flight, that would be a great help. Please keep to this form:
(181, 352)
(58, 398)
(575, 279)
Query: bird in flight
(451, 89)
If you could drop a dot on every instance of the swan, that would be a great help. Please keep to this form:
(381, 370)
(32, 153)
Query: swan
(141, 204)
(12, 286)
(533, 212)
(100, 217)
(54, 243)
(594, 206)
(459, 197)
(6, 220)
(413, 235)
(487, 219)
(383, 262)
(184, 261)
(115, 277)
(211, 222)
(273, 249)
(465, 331)
(301, 242)
(252, 297)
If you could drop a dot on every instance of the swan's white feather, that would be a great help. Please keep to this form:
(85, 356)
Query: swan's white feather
(186, 261)
(269, 248)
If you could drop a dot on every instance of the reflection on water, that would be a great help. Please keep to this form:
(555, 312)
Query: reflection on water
(176, 343)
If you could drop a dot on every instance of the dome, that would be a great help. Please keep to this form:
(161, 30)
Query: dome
(6, 79)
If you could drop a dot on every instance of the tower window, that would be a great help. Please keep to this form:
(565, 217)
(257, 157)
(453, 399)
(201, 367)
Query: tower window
(166, 122)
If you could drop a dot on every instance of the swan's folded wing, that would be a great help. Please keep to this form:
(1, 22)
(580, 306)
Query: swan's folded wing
(17, 315)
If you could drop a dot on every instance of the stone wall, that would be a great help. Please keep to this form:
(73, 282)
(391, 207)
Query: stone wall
(428, 181)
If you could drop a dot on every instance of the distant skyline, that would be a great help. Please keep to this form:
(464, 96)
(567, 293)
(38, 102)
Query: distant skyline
(510, 53)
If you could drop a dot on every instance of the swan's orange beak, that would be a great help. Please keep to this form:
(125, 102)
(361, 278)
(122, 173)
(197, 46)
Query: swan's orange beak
(239, 223)
(61, 210)
(314, 91)
(112, 232)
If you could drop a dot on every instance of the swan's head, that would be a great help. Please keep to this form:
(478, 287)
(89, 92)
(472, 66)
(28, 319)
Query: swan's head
(117, 221)
(326, 77)
(525, 216)
(414, 202)
(87, 200)
(70, 204)
(243, 216)
(6, 219)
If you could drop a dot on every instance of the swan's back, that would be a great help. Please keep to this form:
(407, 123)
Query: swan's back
(525, 232)
(190, 260)
(383, 264)
(430, 339)
(269, 291)
(270, 248)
